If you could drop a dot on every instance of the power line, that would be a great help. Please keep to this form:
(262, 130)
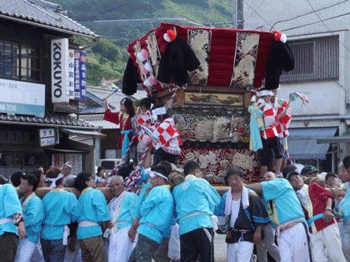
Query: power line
(257, 14)
(323, 8)
(148, 19)
(109, 10)
(326, 25)
(247, 10)
(330, 18)
(255, 9)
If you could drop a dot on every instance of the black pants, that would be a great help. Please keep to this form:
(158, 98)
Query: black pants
(160, 155)
(144, 250)
(8, 247)
(269, 145)
(199, 241)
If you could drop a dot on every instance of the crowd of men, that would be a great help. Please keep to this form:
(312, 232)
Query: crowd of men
(61, 217)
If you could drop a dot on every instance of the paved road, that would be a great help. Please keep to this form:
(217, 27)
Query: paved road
(220, 248)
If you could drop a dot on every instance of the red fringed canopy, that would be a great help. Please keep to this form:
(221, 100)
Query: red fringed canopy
(222, 51)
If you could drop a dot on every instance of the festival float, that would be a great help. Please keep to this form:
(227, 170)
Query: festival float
(208, 76)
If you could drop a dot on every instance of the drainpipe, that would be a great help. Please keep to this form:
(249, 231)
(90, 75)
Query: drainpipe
(96, 40)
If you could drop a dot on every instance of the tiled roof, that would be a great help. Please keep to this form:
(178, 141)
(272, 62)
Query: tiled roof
(43, 13)
(44, 121)
(113, 101)
(104, 124)
(97, 120)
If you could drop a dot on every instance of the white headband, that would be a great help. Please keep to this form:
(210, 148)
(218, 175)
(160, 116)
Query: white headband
(152, 174)
(265, 93)
(54, 180)
(66, 164)
(159, 111)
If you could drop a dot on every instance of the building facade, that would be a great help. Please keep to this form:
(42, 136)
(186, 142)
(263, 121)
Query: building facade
(322, 74)
(36, 128)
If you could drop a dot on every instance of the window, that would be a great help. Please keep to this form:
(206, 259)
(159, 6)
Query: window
(315, 60)
(20, 61)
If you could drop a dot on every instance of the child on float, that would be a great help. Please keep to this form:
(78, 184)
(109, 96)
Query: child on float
(123, 118)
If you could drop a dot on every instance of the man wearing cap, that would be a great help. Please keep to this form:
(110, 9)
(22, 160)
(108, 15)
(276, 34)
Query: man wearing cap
(11, 223)
(316, 202)
(283, 123)
(332, 180)
(169, 142)
(288, 218)
(156, 213)
(309, 175)
(122, 208)
(33, 215)
(195, 201)
(269, 136)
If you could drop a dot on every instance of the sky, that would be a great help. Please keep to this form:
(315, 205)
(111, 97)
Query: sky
(262, 14)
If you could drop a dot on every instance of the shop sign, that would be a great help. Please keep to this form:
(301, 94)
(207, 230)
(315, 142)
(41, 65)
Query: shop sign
(77, 75)
(22, 98)
(59, 70)
(82, 75)
(47, 137)
(71, 74)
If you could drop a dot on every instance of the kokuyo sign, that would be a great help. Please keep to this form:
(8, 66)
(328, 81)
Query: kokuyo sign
(59, 70)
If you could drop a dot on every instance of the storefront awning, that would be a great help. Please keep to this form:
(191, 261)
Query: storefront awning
(302, 142)
(337, 139)
(83, 136)
(67, 151)
(83, 132)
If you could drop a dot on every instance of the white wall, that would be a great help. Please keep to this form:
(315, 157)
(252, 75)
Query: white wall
(326, 98)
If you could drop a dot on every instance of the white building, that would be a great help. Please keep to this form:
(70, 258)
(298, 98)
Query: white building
(322, 74)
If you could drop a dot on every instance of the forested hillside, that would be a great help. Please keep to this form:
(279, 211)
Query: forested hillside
(109, 57)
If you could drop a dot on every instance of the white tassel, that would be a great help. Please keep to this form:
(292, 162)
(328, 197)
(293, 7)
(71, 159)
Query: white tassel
(167, 38)
(140, 56)
(283, 38)
(148, 67)
(147, 83)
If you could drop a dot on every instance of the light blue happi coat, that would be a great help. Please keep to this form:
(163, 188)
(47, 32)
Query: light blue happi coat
(285, 200)
(92, 207)
(140, 199)
(60, 209)
(127, 210)
(33, 215)
(345, 206)
(195, 195)
(9, 205)
(157, 212)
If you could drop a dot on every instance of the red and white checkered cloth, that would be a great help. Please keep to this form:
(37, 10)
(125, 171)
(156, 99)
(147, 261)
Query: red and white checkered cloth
(169, 136)
(270, 120)
(146, 120)
(284, 122)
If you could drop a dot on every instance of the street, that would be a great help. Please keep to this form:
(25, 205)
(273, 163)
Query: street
(220, 248)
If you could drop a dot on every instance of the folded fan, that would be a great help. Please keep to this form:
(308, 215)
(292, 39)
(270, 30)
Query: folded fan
(149, 132)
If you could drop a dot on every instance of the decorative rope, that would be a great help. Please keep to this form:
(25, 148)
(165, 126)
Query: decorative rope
(136, 175)
(174, 90)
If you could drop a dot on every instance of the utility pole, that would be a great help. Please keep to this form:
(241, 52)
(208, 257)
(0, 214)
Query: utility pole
(237, 14)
